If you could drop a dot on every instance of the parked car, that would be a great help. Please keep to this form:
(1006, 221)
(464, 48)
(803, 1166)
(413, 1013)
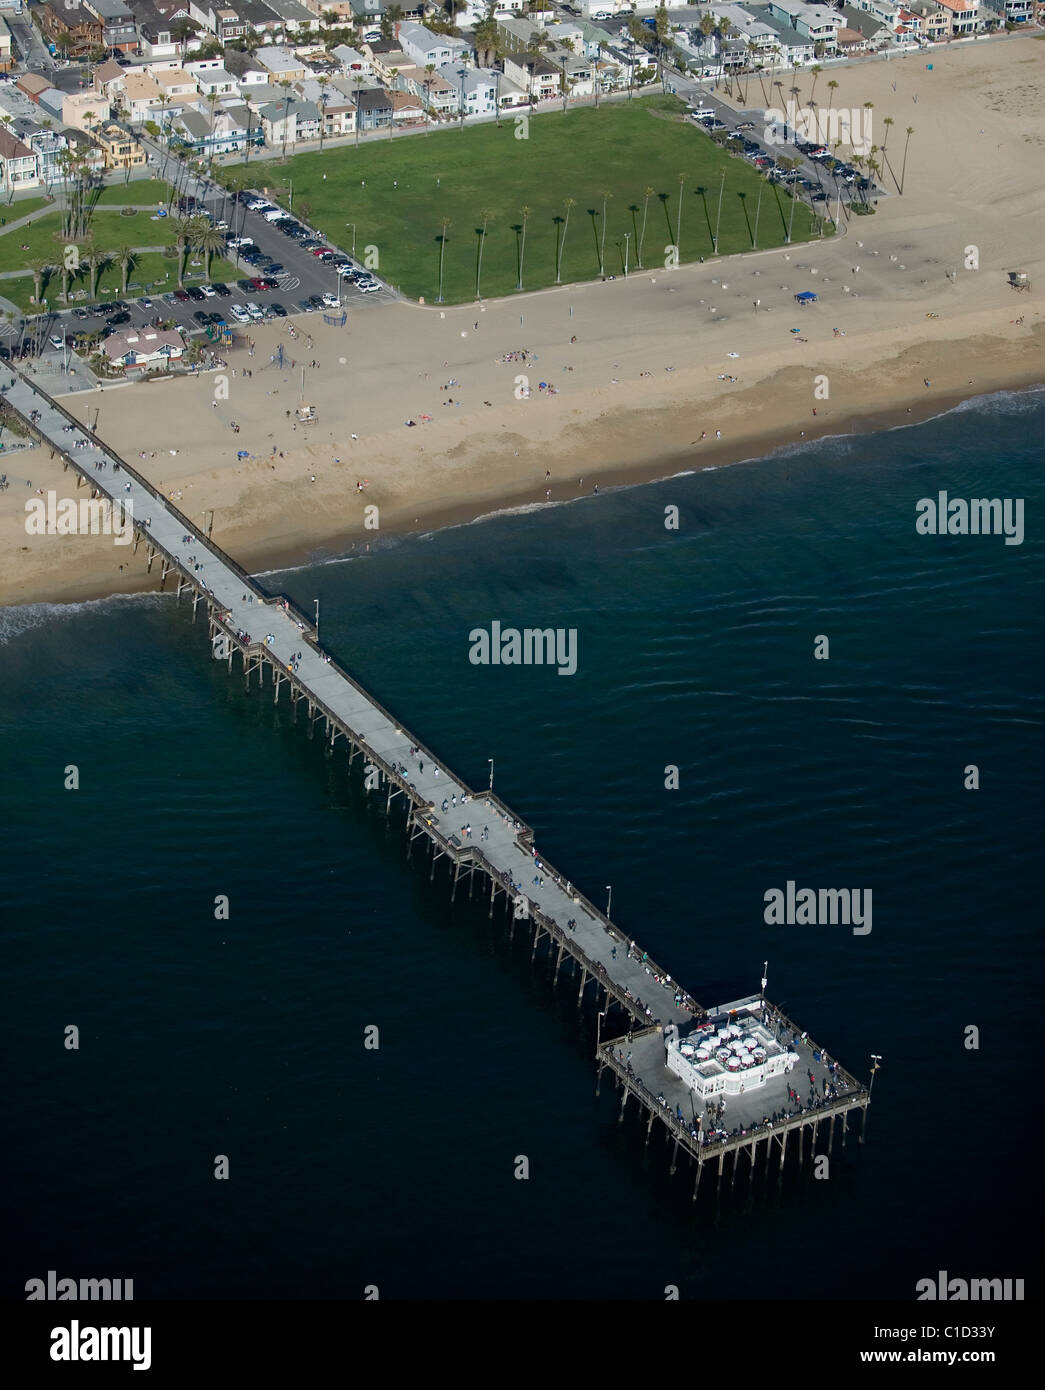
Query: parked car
(170, 298)
(239, 313)
(331, 301)
(316, 300)
(255, 311)
(145, 302)
(277, 311)
(56, 341)
(221, 290)
(304, 306)
(274, 268)
(247, 286)
(182, 296)
(367, 286)
(80, 314)
(119, 318)
(195, 293)
(201, 317)
(208, 291)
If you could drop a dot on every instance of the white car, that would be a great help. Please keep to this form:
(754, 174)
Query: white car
(237, 243)
(255, 311)
(331, 300)
(257, 205)
(209, 291)
(239, 313)
(367, 286)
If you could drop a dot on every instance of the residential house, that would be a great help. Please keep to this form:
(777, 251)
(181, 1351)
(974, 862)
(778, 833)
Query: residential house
(536, 76)
(85, 150)
(177, 85)
(33, 85)
(72, 29)
(6, 57)
(141, 97)
(294, 18)
(407, 109)
(373, 109)
(46, 144)
(351, 60)
(515, 33)
(139, 349)
(212, 77)
(224, 130)
(121, 148)
(109, 78)
(331, 98)
(223, 21)
(792, 49)
(819, 23)
(19, 167)
(963, 15)
(475, 89)
(386, 57)
(51, 103)
(440, 94)
(421, 47)
(119, 30)
(85, 110)
(281, 65)
(288, 122)
(869, 29)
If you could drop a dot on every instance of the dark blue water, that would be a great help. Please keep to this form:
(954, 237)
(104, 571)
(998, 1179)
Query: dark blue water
(348, 1167)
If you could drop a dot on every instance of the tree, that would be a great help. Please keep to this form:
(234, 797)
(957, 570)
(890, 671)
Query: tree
(487, 214)
(429, 78)
(357, 82)
(606, 196)
(678, 220)
(524, 213)
(647, 195)
(287, 99)
(38, 269)
(95, 258)
(442, 251)
(324, 83)
(182, 236)
(208, 240)
(212, 101)
(903, 169)
(568, 205)
(816, 70)
(126, 258)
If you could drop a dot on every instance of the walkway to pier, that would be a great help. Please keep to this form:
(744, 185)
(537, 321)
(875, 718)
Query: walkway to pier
(500, 844)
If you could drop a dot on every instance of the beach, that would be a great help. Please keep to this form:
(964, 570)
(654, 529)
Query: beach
(666, 371)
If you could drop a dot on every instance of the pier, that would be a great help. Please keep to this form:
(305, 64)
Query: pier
(482, 841)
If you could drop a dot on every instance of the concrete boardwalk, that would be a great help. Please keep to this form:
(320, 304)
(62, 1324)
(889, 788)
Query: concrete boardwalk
(499, 844)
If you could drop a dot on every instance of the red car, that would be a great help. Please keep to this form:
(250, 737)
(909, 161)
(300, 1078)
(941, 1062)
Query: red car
(182, 296)
(321, 250)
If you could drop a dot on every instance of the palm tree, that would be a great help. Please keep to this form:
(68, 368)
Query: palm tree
(888, 123)
(212, 101)
(209, 240)
(678, 220)
(125, 256)
(39, 269)
(442, 249)
(524, 213)
(182, 234)
(903, 170)
(832, 87)
(487, 214)
(286, 85)
(568, 203)
(816, 70)
(324, 83)
(606, 196)
(762, 182)
(95, 257)
(562, 82)
(429, 77)
(358, 84)
(647, 195)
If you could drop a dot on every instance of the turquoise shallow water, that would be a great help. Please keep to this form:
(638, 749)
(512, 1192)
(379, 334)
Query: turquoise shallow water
(395, 1167)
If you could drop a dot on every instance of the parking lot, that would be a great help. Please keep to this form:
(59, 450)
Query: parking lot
(281, 277)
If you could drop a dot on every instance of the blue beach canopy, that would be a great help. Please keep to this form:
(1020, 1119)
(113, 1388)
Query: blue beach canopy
(806, 297)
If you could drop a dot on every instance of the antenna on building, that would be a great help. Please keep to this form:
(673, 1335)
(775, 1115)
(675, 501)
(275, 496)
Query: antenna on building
(765, 979)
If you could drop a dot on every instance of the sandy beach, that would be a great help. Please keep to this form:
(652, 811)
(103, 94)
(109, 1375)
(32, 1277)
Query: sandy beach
(901, 330)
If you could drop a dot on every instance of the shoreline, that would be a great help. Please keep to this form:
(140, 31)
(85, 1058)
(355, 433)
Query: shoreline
(264, 559)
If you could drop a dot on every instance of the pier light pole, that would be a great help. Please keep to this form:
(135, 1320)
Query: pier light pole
(875, 1058)
(316, 602)
(490, 761)
(609, 900)
(627, 248)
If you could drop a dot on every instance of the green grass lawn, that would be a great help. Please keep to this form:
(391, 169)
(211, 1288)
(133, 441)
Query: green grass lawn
(110, 230)
(21, 207)
(142, 193)
(152, 274)
(622, 149)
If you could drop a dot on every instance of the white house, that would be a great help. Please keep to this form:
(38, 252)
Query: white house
(473, 88)
(138, 349)
(422, 47)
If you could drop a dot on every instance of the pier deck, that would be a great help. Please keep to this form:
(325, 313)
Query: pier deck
(268, 632)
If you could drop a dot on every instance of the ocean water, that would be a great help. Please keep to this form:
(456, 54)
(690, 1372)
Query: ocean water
(244, 1037)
